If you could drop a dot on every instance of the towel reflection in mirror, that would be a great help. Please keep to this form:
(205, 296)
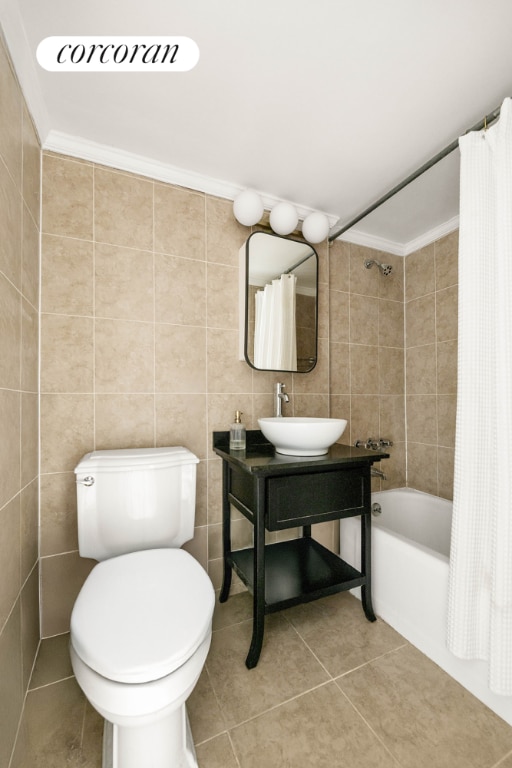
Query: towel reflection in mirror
(275, 338)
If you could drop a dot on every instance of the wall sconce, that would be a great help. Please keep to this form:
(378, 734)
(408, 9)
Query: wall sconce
(248, 209)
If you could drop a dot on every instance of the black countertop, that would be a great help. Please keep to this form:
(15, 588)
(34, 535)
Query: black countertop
(260, 456)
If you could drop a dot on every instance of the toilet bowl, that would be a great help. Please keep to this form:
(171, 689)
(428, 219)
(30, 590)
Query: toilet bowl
(140, 634)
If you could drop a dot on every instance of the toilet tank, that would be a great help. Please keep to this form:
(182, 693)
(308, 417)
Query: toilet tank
(132, 499)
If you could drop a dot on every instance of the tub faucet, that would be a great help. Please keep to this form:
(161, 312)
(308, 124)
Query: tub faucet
(377, 473)
(281, 397)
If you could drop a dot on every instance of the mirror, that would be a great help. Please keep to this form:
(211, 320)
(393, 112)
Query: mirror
(278, 303)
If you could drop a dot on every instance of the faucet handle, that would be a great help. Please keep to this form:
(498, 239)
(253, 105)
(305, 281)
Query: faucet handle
(371, 444)
(385, 443)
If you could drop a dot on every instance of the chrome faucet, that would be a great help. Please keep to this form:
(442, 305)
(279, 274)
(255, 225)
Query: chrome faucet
(281, 397)
(373, 444)
(370, 444)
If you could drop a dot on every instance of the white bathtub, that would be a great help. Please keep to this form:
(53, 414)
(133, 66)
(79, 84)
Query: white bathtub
(410, 551)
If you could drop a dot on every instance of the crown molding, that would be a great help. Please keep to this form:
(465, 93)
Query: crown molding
(401, 249)
(357, 237)
(112, 157)
(432, 235)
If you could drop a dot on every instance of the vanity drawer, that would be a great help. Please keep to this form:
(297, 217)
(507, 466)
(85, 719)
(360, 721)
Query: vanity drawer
(314, 498)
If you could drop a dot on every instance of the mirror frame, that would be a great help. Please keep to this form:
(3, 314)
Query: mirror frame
(244, 301)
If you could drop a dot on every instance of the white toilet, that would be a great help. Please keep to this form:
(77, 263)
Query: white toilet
(141, 624)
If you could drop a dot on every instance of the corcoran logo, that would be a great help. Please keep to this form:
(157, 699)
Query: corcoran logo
(117, 54)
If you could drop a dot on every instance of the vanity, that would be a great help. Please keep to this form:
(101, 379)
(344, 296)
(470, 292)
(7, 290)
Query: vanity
(275, 492)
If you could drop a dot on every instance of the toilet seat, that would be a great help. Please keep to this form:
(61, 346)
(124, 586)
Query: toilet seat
(140, 616)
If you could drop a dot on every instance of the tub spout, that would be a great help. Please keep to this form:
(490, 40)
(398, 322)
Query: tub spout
(377, 473)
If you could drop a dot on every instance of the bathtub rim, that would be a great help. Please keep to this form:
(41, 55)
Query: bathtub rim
(424, 496)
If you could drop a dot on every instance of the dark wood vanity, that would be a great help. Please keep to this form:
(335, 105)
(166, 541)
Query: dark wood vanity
(275, 492)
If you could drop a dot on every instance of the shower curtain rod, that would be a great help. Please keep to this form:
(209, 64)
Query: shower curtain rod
(337, 231)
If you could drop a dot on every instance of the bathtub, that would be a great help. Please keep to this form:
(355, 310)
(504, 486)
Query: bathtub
(410, 557)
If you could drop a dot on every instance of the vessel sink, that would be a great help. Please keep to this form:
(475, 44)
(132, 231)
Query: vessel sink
(302, 435)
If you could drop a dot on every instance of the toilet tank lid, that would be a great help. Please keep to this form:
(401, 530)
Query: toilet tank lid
(122, 459)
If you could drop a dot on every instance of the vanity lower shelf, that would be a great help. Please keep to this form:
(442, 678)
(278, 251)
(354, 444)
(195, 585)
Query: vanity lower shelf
(296, 572)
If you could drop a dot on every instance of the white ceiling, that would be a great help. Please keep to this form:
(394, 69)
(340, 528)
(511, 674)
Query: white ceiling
(327, 104)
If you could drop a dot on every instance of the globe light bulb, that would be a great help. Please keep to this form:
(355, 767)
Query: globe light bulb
(315, 227)
(248, 208)
(283, 218)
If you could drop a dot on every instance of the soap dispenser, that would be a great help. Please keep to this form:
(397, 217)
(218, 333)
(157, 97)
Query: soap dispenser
(237, 434)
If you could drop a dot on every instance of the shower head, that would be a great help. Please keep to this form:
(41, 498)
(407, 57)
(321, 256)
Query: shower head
(386, 269)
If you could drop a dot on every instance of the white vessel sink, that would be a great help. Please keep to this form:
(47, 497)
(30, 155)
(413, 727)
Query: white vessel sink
(302, 435)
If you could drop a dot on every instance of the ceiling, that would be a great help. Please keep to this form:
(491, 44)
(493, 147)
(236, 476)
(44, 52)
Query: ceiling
(327, 104)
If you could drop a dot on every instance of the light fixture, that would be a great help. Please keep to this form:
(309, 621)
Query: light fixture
(315, 227)
(248, 208)
(283, 218)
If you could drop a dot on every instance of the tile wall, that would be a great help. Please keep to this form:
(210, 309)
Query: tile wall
(366, 343)
(139, 334)
(139, 347)
(19, 304)
(431, 368)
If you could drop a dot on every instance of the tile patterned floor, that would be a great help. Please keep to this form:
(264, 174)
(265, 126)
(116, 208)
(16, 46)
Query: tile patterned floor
(330, 690)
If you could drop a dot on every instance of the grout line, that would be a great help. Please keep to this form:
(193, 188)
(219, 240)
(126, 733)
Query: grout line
(370, 728)
(48, 685)
(331, 678)
(215, 695)
(370, 661)
(502, 760)
(280, 704)
(233, 749)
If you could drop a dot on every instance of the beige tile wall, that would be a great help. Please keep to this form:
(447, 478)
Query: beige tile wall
(139, 347)
(367, 352)
(19, 304)
(431, 369)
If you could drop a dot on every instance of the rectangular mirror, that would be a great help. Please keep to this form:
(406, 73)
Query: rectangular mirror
(278, 303)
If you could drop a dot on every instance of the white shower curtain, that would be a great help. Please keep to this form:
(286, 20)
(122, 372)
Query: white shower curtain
(480, 590)
(275, 340)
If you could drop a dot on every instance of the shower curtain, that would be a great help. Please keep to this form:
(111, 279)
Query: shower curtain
(275, 341)
(480, 587)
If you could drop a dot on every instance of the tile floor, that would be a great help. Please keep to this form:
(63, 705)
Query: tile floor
(330, 690)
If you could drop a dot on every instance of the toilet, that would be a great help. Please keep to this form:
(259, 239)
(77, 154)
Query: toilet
(141, 624)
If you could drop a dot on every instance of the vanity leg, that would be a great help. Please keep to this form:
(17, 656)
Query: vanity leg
(226, 535)
(366, 569)
(258, 622)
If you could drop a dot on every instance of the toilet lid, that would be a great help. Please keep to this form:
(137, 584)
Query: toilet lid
(140, 616)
